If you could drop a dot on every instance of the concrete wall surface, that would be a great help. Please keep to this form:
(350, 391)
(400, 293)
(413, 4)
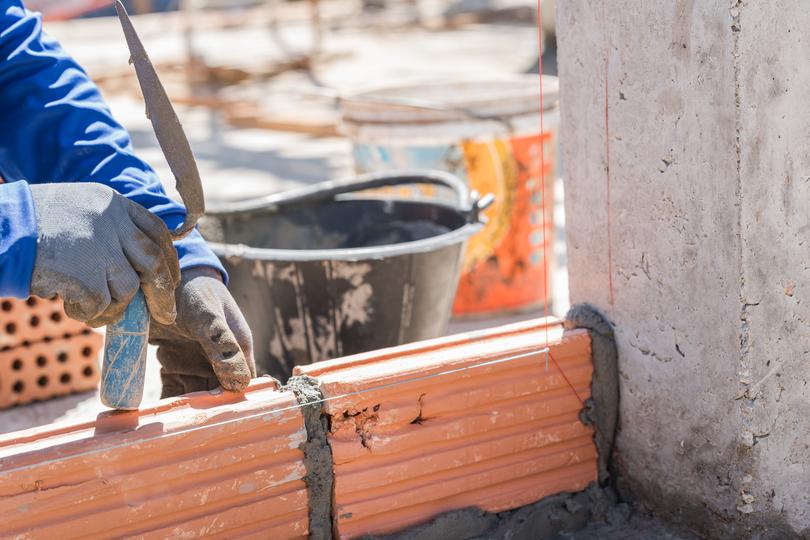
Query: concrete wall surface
(685, 136)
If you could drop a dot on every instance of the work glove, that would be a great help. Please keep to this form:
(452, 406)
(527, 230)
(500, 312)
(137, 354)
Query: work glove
(209, 343)
(95, 248)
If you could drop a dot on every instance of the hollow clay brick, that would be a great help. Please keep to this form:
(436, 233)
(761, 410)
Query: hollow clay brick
(47, 369)
(208, 464)
(410, 441)
(33, 320)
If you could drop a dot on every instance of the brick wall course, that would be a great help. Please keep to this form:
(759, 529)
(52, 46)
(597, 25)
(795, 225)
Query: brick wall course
(414, 435)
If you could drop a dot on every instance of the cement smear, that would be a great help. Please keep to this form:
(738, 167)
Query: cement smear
(593, 514)
(317, 456)
(602, 409)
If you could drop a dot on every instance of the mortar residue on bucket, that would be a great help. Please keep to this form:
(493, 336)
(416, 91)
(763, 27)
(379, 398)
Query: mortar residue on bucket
(327, 277)
(487, 133)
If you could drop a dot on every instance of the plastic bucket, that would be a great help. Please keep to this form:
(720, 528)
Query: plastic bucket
(487, 133)
(320, 273)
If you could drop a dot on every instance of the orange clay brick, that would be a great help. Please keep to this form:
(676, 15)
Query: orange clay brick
(208, 464)
(33, 320)
(47, 369)
(409, 443)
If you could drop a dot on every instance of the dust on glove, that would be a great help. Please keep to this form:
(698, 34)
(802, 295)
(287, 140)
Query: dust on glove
(209, 344)
(95, 248)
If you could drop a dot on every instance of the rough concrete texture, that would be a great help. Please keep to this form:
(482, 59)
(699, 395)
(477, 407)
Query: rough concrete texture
(317, 456)
(593, 514)
(602, 409)
(693, 115)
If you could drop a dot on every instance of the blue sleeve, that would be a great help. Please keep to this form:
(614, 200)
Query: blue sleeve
(18, 239)
(56, 127)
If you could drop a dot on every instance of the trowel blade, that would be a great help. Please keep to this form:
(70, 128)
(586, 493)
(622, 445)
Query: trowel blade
(167, 128)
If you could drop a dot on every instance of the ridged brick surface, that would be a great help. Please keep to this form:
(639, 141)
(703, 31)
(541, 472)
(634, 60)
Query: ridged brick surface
(219, 466)
(496, 437)
(49, 369)
(33, 320)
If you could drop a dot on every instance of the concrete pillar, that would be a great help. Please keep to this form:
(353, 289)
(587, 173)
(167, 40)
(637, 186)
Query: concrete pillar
(686, 143)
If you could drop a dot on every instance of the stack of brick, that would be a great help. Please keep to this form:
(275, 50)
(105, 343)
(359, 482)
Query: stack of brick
(44, 353)
(413, 432)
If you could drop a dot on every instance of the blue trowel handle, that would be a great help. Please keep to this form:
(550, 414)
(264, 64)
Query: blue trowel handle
(125, 357)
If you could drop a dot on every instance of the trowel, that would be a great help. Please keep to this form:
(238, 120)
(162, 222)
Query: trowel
(124, 367)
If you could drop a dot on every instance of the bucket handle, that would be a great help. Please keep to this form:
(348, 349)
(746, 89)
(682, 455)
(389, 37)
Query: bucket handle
(470, 203)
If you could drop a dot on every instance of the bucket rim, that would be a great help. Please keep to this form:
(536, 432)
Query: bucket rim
(334, 189)
(424, 245)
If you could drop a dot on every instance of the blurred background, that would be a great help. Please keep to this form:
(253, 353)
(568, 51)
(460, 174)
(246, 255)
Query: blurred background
(258, 84)
(254, 81)
(267, 92)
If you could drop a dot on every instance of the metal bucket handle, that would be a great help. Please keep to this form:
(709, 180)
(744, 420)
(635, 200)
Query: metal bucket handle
(469, 203)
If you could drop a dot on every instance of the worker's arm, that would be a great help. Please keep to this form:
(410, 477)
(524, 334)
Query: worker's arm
(55, 127)
(18, 239)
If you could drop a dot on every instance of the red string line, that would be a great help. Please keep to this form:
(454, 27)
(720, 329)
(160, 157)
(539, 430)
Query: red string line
(607, 161)
(570, 385)
(546, 264)
(543, 197)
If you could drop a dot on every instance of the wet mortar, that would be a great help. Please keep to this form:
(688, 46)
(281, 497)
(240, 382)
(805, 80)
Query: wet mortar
(602, 409)
(593, 514)
(317, 456)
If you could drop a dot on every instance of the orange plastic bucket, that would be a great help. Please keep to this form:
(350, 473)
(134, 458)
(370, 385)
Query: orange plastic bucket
(488, 133)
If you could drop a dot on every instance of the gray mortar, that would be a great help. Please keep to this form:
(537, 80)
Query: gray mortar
(317, 456)
(602, 409)
(593, 514)
(543, 519)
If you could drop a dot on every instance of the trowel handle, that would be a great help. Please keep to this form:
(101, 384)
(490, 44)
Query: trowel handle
(122, 374)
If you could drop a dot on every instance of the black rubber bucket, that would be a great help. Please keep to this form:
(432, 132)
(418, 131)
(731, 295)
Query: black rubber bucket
(327, 271)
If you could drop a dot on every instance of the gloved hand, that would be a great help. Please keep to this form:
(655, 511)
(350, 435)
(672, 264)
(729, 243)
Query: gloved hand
(209, 344)
(95, 248)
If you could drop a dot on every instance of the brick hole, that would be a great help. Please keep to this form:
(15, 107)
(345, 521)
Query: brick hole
(42, 381)
(87, 352)
(86, 332)
(88, 371)
(11, 328)
(17, 364)
(66, 335)
(56, 316)
(26, 343)
(18, 387)
(62, 357)
(6, 305)
(64, 378)
(34, 322)
(47, 339)
(31, 301)
(41, 361)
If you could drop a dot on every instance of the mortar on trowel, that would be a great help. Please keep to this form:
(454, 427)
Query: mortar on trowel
(124, 366)
(334, 269)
